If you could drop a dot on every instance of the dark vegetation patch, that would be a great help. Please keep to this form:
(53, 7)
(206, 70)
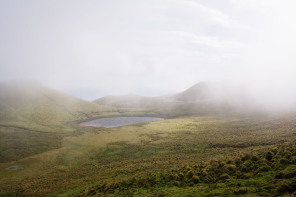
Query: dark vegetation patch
(269, 172)
(17, 143)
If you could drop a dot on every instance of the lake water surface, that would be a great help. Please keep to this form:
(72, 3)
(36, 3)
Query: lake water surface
(118, 121)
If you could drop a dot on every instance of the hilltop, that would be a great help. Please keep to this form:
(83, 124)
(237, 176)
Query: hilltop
(199, 91)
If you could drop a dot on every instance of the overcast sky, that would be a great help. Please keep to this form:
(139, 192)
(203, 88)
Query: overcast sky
(93, 48)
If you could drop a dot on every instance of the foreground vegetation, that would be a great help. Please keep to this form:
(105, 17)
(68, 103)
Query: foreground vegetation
(268, 172)
(87, 158)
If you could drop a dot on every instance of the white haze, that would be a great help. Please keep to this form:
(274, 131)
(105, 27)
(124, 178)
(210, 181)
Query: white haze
(95, 48)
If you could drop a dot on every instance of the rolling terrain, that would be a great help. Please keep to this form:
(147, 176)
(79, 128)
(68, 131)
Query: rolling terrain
(203, 98)
(128, 101)
(32, 118)
(202, 148)
(28, 101)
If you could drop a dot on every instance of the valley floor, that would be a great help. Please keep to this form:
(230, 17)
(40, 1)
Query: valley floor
(80, 161)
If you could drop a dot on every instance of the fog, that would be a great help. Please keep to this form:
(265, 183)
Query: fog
(94, 48)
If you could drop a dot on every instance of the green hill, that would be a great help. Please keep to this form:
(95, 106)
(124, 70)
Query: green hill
(199, 91)
(129, 100)
(33, 117)
(137, 105)
(201, 98)
(28, 102)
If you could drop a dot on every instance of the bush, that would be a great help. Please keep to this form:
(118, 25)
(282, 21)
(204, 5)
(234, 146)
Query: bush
(254, 158)
(195, 179)
(246, 176)
(263, 168)
(231, 168)
(289, 172)
(176, 183)
(224, 176)
(172, 177)
(204, 173)
(246, 157)
(180, 176)
(274, 150)
(241, 191)
(284, 161)
(287, 154)
(208, 179)
(189, 174)
(293, 159)
(269, 156)
(286, 186)
(279, 175)
(160, 194)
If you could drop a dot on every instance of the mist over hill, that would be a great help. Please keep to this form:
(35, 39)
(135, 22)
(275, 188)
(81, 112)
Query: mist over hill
(29, 101)
(129, 100)
(210, 97)
(33, 118)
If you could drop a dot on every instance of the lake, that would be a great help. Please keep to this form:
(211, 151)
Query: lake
(118, 121)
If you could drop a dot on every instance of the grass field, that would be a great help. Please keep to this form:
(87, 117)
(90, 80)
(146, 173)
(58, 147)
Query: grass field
(75, 161)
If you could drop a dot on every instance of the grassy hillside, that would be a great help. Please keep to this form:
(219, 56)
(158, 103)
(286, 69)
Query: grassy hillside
(266, 172)
(200, 99)
(27, 101)
(112, 155)
(202, 91)
(199, 91)
(32, 118)
(135, 104)
(130, 100)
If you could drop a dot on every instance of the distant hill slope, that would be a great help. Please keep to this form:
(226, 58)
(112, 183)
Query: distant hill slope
(32, 118)
(199, 91)
(215, 91)
(201, 98)
(28, 101)
(130, 100)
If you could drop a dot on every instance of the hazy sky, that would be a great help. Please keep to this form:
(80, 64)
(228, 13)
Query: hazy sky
(93, 48)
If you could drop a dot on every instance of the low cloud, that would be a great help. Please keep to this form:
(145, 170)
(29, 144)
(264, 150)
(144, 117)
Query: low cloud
(150, 47)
